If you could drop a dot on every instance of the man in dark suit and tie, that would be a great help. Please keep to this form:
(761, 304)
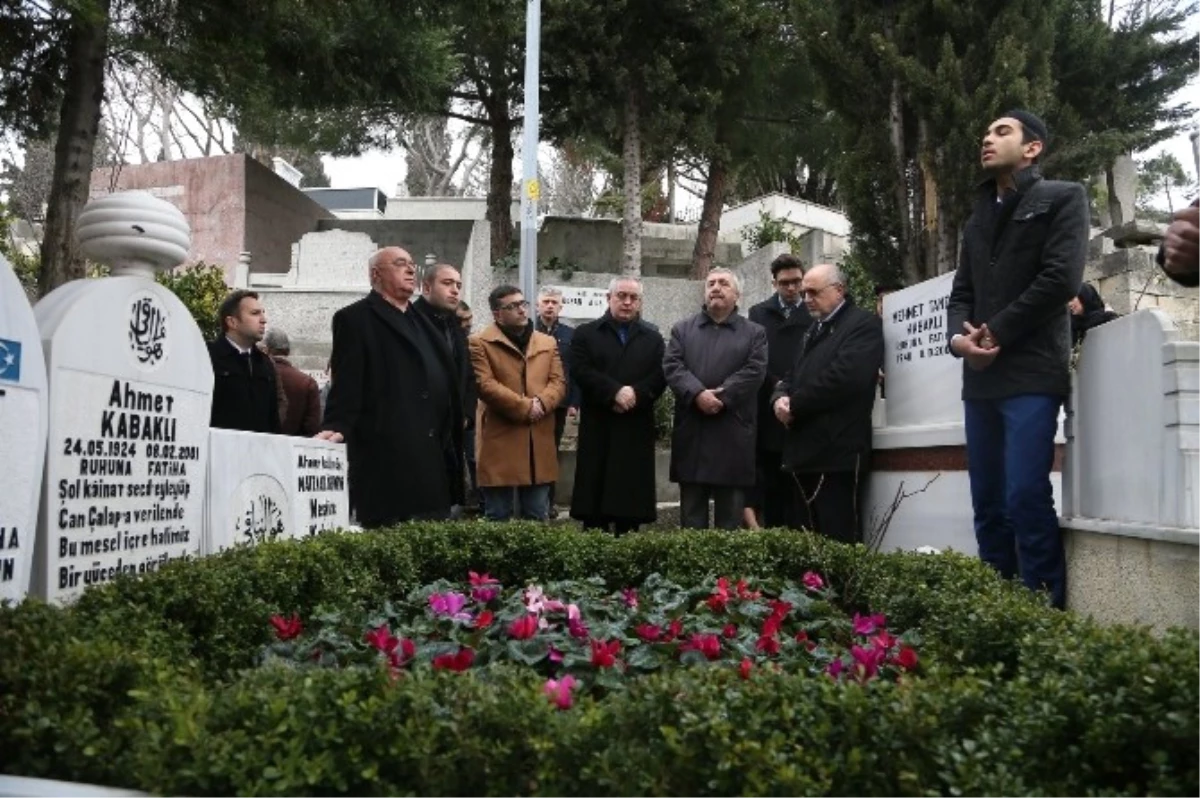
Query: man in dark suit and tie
(245, 394)
(394, 400)
(826, 402)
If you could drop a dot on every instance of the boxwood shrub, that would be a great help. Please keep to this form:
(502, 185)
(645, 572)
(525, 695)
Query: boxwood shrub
(153, 684)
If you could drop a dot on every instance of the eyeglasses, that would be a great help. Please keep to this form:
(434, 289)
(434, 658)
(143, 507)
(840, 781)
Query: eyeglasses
(520, 304)
(795, 281)
(805, 294)
(625, 296)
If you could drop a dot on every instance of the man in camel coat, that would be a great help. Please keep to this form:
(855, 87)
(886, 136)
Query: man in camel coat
(520, 381)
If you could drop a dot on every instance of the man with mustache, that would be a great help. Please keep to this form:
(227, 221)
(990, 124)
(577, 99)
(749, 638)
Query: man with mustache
(1022, 260)
(715, 364)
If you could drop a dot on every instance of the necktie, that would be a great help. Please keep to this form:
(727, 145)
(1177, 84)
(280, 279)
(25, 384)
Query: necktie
(787, 311)
(249, 363)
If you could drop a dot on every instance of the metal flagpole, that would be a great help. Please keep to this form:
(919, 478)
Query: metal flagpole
(530, 189)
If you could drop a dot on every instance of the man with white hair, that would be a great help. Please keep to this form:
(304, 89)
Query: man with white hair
(619, 370)
(715, 363)
(825, 402)
(394, 401)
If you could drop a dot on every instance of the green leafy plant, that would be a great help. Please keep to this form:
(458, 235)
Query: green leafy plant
(159, 683)
(770, 230)
(201, 288)
(664, 418)
(580, 636)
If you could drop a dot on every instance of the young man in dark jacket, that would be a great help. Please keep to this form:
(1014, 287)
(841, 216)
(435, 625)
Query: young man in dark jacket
(1022, 260)
(245, 395)
(784, 317)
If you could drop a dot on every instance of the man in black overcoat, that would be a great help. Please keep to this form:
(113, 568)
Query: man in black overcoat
(395, 400)
(618, 369)
(784, 317)
(826, 405)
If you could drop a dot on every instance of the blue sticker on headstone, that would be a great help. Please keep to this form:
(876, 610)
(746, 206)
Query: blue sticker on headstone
(10, 360)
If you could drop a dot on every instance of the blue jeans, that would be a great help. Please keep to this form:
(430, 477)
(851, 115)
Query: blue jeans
(530, 501)
(1010, 453)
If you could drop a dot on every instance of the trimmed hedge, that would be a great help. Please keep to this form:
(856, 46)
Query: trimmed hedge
(152, 684)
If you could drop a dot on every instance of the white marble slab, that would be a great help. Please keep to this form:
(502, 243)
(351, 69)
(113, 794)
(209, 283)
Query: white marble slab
(130, 384)
(23, 422)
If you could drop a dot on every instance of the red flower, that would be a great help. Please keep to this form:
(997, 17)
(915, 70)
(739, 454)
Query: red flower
(648, 632)
(287, 628)
(866, 661)
(484, 619)
(481, 580)
(801, 636)
(771, 626)
(708, 645)
(382, 639)
(813, 581)
(604, 654)
(408, 650)
(884, 640)
(780, 609)
(769, 645)
(745, 667)
(524, 627)
(720, 597)
(744, 592)
(730, 630)
(454, 662)
(674, 630)
(907, 658)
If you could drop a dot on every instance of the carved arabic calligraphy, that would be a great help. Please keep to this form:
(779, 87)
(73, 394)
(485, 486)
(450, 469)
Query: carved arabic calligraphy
(147, 330)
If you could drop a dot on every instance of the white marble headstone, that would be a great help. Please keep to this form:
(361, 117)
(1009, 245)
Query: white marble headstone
(923, 380)
(268, 487)
(130, 394)
(583, 304)
(23, 420)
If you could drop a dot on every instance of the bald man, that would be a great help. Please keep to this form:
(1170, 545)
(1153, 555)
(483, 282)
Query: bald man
(825, 402)
(395, 401)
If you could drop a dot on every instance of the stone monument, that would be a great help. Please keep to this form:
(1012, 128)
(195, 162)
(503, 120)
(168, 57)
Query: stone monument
(22, 433)
(272, 487)
(130, 385)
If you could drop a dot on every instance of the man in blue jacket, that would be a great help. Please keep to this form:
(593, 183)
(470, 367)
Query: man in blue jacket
(1022, 260)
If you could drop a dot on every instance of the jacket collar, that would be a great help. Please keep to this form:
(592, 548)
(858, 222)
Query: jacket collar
(538, 342)
(734, 319)
(1024, 180)
(635, 327)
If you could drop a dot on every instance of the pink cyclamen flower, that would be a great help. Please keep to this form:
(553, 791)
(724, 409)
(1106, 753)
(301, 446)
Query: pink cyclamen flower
(884, 640)
(630, 597)
(553, 605)
(450, 604)
(813, 580)
(555, 655)
(835, 668)
(868, 624)
(867, 660)
(559, 691)
(484, 594)
(481, 580)
(535, 599)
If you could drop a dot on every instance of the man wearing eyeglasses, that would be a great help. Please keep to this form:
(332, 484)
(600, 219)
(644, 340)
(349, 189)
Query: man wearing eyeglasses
(394, 401)
(825, 402)
(715, 363)
(785, 319)
(618, 362)
(520, 381)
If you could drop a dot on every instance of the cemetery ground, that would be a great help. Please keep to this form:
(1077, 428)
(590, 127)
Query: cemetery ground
(472, 658)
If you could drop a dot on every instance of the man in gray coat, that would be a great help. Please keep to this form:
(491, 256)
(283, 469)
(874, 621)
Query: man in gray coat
(715, 363)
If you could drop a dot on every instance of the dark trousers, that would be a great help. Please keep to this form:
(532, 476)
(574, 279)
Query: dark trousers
(473, 498)
(778, 496)
(1010, 454)
(560, 425)
(831, 503)
(728, 504)
(618, 526)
